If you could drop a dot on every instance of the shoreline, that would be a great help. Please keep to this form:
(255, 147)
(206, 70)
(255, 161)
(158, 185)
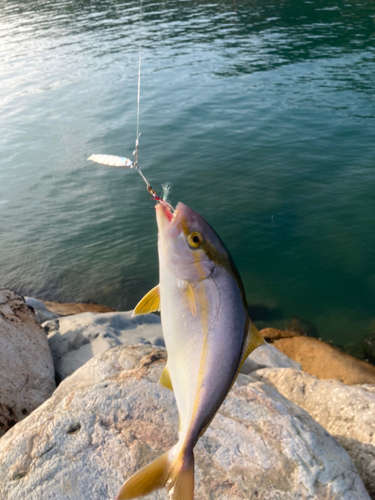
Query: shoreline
(315, 356)
(262, 315)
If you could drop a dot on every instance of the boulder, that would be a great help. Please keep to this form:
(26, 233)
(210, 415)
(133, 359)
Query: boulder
(68, 309)
(111, 417)
(268, 356)
(325, 361)
(76, 339)
(27, 376)
(41, 312)
(346, 412)
(272, 334)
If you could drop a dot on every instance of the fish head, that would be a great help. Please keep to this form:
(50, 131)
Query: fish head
(188, 246)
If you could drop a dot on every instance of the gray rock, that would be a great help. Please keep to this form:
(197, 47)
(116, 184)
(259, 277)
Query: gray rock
(27, 376)
(76, 339)
(345, 411)
(268, 356)
(110, 418)
(41, 312)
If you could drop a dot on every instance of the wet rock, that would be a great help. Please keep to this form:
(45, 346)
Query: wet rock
(69, 309)
(346, 412)
(26, 369)
(325, 361)
(294, 325)
(301, 326)
(368, 345)
(271, 334)
(110, 418)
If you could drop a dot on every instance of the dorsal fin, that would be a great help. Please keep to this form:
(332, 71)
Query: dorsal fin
(150, 302)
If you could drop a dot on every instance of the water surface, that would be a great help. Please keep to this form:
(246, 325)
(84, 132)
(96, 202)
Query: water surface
(261, 114)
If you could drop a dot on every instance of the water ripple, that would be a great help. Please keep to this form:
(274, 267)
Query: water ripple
(260, 113)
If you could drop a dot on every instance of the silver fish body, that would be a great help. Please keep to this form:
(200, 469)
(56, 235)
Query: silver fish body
(204, 350)
(208, 335)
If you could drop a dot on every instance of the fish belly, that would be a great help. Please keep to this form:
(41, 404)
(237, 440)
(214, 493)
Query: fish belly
(204, 350)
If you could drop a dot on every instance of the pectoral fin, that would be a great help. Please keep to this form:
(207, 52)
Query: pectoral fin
(150, 302)
(165, 379)
(253, 340)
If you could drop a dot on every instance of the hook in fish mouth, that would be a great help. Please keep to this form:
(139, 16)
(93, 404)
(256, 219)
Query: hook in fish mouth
(164, 214)
(171, 222)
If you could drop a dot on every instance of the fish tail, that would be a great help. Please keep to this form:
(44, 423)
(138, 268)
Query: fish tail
(176, 473)
(180, 483)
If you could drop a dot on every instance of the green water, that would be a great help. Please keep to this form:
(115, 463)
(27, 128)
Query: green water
(261, 114)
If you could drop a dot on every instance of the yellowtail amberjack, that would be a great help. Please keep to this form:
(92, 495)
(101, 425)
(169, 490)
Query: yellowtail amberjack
(208, 335)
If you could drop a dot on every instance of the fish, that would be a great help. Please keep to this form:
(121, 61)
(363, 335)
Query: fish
(208, 335)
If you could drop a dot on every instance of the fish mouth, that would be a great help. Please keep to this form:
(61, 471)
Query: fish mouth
(167, 220)
(165, 209)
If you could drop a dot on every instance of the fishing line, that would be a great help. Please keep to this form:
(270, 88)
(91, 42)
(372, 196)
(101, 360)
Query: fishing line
(135, 152)
(139, 65)
(122, 162)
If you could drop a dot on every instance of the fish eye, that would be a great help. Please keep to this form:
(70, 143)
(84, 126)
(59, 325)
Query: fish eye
(195, 239)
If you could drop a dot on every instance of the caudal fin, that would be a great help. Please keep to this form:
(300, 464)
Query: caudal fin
(174, 472)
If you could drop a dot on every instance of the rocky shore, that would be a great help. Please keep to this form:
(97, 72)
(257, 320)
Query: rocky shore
(298, 424)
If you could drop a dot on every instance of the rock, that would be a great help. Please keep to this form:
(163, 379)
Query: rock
(76, 339)
(110, 418)
(301, 326)
(368, 345)
(68, 309)
(41, 312)
(325, 361)
(294, 325)
(27, 376)
(46, 311)
(268, 356)
(346, 412)
(271, 334)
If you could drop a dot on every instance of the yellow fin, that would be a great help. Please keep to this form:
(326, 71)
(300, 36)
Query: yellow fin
(165, 379)
(191, 300)
(253, 340)
(150, 302)
(176, 475)
(180, 484)
(145, 481)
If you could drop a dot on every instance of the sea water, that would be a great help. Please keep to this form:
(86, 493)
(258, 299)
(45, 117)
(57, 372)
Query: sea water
(261, 114)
